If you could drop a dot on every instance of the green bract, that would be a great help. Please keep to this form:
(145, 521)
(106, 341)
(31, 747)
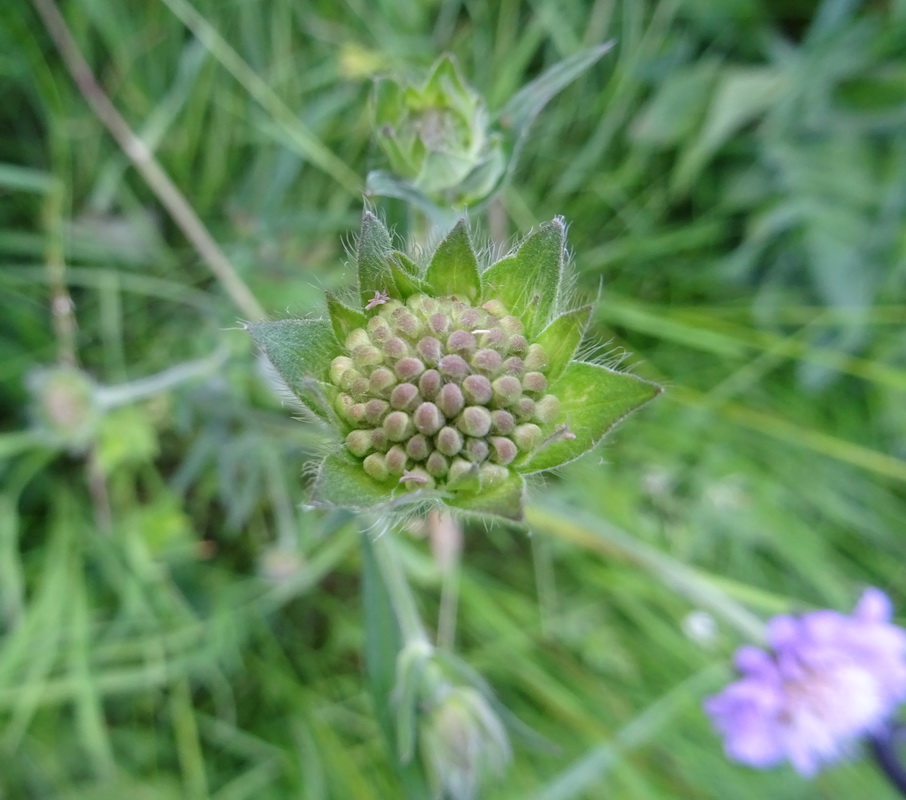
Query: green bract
(447, 382)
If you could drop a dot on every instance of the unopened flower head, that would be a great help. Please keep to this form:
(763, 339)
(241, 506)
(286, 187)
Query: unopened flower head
(828, 680)
(448, 382)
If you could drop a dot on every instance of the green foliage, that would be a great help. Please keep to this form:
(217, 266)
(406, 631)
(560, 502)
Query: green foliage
(174, 622)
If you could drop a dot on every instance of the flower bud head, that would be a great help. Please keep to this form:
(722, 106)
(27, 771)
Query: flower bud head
(396, 459)
(547, 409)
(428, 419)
(404, 397)
(450, 400)
(504, 450)
(418, 448)
(527, 437)
(430, 383)
(453, 367)
(382, 380)
(359, 443)
(448, 441)
(376, 466)
(477, 390)
(507, 390)
(429, 349)
(398, 426)
(474, 421)
(534, 382)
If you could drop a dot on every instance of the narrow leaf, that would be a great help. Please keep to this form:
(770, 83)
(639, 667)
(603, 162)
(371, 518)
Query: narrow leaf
(342, 482)
(343, 318)
(504, 500)
(406, 283)
(373, 258)
(592, 399)
(301, 351)
(562, 337)
(528, 282)
(407, 264)
(454, 268)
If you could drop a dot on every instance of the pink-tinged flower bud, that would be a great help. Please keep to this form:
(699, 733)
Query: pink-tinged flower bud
(504, 450)
(378, 329)
(524, 409)
(429, 349)
(502, 422)
(382, 380)
(476, 450)
(396, 460)
(429, 384)
(376, 466)
(398, 426)
(471, 318)
(450, 400)
(547, 409)
(495, 308)
(356, 413)
(428, 419)
(437, 464)
(536, 358)
(477, 390)
(375, 410)
(350, 378)
(518, 343)
(422, 305)
(460, 469)
(359, 388)
(405, 323)
(527, 437)
(454, 367)
(357, 338)
(534, 382)
(448, 441)
(359, 442)
(339, 367)
(405, 397)
(496, 339)
(342, 404)
(379, 440)
(439, 323)
(474, 421)
(507, 390)
(418, 448)
(396, 348)
(492, 475)
(417, 478)
(367, 356)
(462, 342)
(514, 366)
(511, 324)
(408, 369)
(488, 361)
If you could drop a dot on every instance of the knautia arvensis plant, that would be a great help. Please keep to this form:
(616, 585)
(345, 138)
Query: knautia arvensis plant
(448, 382)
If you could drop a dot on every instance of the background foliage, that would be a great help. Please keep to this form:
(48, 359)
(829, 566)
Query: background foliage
(175, 624)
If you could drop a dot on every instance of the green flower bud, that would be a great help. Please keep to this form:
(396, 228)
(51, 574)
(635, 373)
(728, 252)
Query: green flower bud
(437, 464)
(376, 466)
(448, 441)
(462, 342)
(453, 367)
(418, 448)
(504, 450)
(398, 426)
(527, 437)
(359, 442)
(502, 422)
(534, 382)
(429, 349)
(430, 383)
(357, 338)
(507, 390)
(408, 369)
(397, 460)
(375, 410)
(474, 421)
(547, 409)
(487, 361)
(536, 358)
(476, 450)
(428, 419)
(367, 356)
(380, 383)
(524, 409)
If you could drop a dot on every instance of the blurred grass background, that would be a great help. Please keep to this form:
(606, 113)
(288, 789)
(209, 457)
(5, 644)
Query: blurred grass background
(175, 624)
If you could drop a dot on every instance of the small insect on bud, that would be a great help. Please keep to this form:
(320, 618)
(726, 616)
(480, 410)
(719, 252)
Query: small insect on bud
(474, 421)
(359, 442)
(448, 441)
(477, 390)
(405, 397)
(428, 419)
(450, 400)
(398, 426)
(417, 478)
(547, 409)
(376, 466)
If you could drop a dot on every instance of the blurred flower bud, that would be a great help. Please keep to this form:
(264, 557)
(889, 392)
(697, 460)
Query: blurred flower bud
(65, 405)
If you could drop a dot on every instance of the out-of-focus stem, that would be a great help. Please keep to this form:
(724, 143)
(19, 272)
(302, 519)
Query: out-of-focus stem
(386, 556)
(140, 155)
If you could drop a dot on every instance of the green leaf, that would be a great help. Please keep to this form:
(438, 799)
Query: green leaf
(407, 264)
(342, 482)
(373, 258)
(561, 338)
(528, 281)
(504, 500)
(454, 267)
(406, 282)
(301, 351)
(343, 318)
(592, 399)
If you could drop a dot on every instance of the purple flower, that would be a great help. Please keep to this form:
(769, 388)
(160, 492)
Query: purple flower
(828, 679)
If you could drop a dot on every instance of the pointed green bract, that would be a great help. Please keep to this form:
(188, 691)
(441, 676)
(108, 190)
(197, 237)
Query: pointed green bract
(373, 258)
(528, 281)
(343, 318)
(504, 500)
(301, 351)
(406, 281)
(592, 400)
(407, 264)
(454, 268)
(342, 482)
(562, 337)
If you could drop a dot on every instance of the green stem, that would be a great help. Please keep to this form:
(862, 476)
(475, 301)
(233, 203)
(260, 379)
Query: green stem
(393, 576)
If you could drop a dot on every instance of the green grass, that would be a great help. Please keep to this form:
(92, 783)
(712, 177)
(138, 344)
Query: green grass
(175, 623)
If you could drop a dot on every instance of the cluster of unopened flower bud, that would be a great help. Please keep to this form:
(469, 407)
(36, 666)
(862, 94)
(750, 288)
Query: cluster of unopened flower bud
(437, 391)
